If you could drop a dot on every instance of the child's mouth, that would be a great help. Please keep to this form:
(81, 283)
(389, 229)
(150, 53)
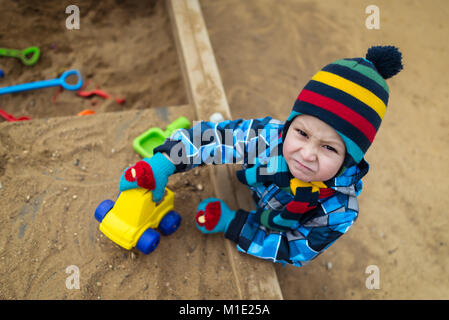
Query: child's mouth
(303, 167)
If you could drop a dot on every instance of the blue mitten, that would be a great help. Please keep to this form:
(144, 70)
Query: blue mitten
(149, 173)
(213, 215)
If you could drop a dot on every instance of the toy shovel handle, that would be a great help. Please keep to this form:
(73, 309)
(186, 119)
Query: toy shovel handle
(61, 81)
(30, 55)
(180, 123)
(10, 53)
(68, 86)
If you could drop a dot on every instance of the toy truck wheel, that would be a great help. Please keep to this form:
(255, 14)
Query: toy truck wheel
(103, 208)
(148, 241)
(170, 223)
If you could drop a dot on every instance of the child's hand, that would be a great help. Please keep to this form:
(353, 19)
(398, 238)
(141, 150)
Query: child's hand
(151, 174)
(142, 173)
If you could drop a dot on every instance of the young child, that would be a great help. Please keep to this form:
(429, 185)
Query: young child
(304, 174)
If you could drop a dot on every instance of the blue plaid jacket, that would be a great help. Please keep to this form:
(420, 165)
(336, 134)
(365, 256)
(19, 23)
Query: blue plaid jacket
(253, 141)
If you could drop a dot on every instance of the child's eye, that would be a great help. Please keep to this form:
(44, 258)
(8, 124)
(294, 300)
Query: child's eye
(302, 133)
(330, 148)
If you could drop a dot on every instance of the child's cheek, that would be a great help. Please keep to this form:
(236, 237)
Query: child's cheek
(287, 147)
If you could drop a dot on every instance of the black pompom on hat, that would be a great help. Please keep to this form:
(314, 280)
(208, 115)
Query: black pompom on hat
(386, 59)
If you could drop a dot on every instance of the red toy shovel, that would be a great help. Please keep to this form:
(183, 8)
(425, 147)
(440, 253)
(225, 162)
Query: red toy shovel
(11, 118)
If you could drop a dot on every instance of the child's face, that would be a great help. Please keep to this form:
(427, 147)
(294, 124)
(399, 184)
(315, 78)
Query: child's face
(314, 151)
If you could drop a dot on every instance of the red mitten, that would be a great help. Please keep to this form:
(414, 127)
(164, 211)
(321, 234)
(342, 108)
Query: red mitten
(143, 173)
(210, 218)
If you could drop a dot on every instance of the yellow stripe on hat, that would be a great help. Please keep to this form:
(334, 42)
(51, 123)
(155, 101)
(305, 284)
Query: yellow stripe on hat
(358, 92)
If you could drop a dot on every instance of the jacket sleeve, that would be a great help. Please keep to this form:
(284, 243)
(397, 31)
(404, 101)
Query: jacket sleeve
(229, 141)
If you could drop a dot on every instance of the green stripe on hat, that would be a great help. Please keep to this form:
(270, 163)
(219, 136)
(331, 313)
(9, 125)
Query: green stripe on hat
(366, 71)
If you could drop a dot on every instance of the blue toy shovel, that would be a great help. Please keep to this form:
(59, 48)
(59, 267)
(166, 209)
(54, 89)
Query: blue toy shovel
(61, 81)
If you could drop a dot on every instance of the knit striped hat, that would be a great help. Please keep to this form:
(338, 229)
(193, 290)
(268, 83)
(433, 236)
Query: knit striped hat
(351, 96)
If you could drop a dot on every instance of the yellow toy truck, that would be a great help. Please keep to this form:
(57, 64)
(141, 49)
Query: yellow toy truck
(131, 221)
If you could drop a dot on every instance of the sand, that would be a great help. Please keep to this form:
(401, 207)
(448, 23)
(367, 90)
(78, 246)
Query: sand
(266, 51)
(124, 48)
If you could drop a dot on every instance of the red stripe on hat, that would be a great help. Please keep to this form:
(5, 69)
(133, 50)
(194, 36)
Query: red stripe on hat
(340, 110)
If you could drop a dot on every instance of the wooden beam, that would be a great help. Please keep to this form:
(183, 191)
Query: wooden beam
(254, 278)
(199, 68)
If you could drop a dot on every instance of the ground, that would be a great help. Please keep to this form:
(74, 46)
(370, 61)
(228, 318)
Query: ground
(266, 52)
(124, 48)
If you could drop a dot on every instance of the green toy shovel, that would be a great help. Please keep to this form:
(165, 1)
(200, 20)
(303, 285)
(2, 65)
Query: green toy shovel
(150, 139)
(28, 56)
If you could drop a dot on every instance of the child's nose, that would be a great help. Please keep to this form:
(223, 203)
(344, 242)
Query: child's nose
(308, 152)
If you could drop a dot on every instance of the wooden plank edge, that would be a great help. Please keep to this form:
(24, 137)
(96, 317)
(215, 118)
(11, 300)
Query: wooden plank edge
(201, 75)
